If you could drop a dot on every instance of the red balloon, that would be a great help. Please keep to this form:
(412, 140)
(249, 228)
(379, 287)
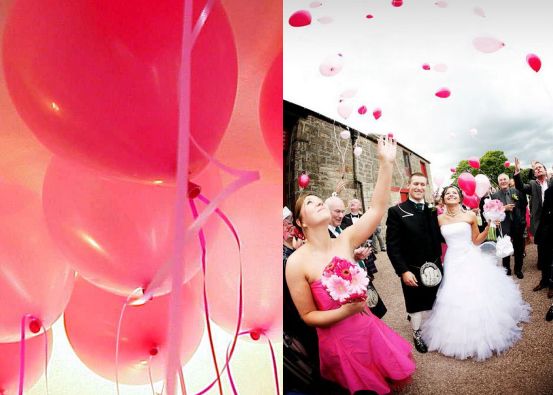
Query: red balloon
(35, 277)
(471, 201)
(453, 169)
(377, 113)
(397, 3)
(119, 233)
(96, 85)
(369, 16)
(35, 358)
(507, 163)
(91, 320)
(261, 263)
(474, 162)
(443, 93)
(270, 110)
(362, 110)
(426, 66)
(303, 180)
(300, 18)
(534, 62)
(467, 183)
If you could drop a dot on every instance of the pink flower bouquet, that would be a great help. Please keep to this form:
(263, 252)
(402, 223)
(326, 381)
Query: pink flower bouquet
(493, 211)
(344, 281)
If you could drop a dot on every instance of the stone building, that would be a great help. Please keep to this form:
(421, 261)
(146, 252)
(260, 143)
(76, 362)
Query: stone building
(312, 143)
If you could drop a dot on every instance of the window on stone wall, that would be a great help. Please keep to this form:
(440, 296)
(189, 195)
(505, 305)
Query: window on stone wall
(423, 169)
(407, 164)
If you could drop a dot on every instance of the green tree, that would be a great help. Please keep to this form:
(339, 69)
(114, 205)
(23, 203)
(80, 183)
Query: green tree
(492, 164)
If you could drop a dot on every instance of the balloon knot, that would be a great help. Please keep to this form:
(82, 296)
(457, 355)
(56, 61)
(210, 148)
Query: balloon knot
(255, 334)
(35, 325)
(154, 351)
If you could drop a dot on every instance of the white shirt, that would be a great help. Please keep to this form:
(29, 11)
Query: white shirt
(333, 230)
(543, 187)
(355, 219)
(414, 201)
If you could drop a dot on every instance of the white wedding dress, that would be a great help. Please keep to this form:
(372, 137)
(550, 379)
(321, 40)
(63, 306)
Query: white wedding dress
(478, 307)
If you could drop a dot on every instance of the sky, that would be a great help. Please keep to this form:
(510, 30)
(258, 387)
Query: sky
(498, 94)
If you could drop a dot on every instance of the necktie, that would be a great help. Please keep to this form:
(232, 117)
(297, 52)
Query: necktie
(419, 206)
(338, 230)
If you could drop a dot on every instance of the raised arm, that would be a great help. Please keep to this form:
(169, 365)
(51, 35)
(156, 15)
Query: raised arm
(366, 225)
(524, 188)
(300, 292)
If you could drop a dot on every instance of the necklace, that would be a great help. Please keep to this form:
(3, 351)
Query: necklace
(451, 214)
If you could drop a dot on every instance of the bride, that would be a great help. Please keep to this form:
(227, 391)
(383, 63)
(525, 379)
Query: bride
(478, 308)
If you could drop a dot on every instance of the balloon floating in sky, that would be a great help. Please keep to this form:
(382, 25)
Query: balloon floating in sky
(315, 4)
(473, 132)
(534, 62)
(377, 113)
(303, 180)
(369, 16)
(479, 11)
(441, 4)
(332, 65)
(362, 110)
(443, 93)
(467, 183)
(507, 164)
(345, 109)
(325, 20)
(357, 151)
(440, 67)
(482, 185)
(474, 162)
(487, 44)
(426, 66)
(345, 134)
(300, 18)
(397, 3)
(390, 135)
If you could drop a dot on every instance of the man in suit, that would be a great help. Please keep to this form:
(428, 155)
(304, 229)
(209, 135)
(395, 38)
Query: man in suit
(536, 188)
(413, 238)
(544, 238)
(514, 222)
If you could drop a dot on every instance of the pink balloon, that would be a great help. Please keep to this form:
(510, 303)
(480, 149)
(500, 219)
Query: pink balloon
(443, 93)
(35, 358)
(426, 66)
(482, 185)
(369, 16)
(453, 169)
(438, 180)
(315, 4)
(397, 3)
(300, 18)
(474, 162)
(124, 114)
(507, 163)
(91, 322)
(487, 44)
(471, 201)
(441, 4)
(362, 110)
(479, 11)
(270, 110)
(303, 180)
(325, 20)
(390, 135)
(261, 262)
(440, 67)
(534, 62)
(467, 183)
(35, 278)
(119, 233)
(345, 109)
(377, 113)
(332, 65)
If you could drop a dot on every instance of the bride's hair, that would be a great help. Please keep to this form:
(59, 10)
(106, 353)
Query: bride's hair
(454, 187)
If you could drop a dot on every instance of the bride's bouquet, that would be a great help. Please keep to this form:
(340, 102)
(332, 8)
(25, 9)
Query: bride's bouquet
(344, 281)
(493, 211)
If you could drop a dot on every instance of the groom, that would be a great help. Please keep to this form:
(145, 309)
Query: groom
(413, 238)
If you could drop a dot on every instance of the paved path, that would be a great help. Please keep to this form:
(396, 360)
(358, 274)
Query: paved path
(527, 368)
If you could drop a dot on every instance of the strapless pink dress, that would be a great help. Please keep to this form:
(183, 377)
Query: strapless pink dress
(361, 352)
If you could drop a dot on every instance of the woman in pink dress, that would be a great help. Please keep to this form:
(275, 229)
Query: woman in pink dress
(357, 350)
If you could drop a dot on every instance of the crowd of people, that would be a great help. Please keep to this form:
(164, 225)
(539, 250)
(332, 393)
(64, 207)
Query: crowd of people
(458, 300)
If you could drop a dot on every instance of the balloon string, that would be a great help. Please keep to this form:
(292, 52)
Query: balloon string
(177, 263)
(181, 380)
(150, 375)
(202, 19)
(275, 369)
(240, 294)
(201, 236)
(229, 374)
(45, 357)
(22, 353)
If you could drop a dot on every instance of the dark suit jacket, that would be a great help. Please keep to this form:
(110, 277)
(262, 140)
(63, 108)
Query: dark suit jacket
(533, 189)
(515, 221)
(346, 221)
(544, 233)
(407, 243)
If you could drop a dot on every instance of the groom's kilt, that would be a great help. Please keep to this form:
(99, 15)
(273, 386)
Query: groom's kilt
(419, 298)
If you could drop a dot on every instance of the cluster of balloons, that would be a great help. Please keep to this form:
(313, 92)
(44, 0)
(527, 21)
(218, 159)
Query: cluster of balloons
(474, 188)
(103, 94)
